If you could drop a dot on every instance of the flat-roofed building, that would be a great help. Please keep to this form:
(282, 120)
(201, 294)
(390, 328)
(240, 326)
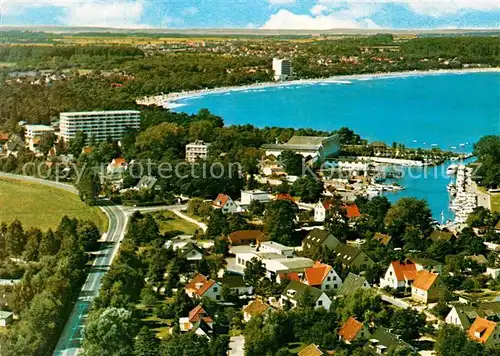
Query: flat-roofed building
(316, 147)
(282, 68)
(100, 125)
(196, 150)
(34, 131)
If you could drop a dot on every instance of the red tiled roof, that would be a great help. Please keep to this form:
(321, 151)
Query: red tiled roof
(481, 329)
(198, 278)
(424, 280)
(221, 200)
(316, 274)
(291, 276)
(240, 236)
(285, 196)
(404, 270)
(350, 329)
(4, 136)
(206, 286)
(197, 314)
(352, 210)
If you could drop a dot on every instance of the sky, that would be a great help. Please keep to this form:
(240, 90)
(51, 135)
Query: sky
(266, 14)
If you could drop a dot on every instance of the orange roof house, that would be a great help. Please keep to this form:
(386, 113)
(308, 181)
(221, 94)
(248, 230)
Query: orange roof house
(197, 315)
(285, 196)
(200, 286)
(399, 274)
(481, 331)
(426, 287)
(382, 238)
(291, 276)
(255, 308)
(351, 330)
(320, 210)
(246, 237)
(322, 276)
(225, 203)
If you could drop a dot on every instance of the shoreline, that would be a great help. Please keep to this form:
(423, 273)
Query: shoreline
(169, 101)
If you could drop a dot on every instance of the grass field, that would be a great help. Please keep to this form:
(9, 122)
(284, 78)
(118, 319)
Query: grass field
(495, 202)
(43, 207)
(168, 221)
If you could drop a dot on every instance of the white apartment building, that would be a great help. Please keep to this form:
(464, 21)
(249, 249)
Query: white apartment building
(98, 124)
(282, 68)
(196, 150)
(248, 195)
(34, 131)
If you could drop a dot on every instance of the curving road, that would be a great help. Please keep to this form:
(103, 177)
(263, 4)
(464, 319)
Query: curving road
(70, 340)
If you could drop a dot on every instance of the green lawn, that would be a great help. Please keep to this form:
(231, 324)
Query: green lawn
(495, 202)
(168, 221)
(43, 207)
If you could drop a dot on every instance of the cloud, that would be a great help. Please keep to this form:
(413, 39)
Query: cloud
(189, 11)
(434, 8)
(97, 13)
(287, 20)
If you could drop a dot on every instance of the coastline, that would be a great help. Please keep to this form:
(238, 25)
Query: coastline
(169, 101)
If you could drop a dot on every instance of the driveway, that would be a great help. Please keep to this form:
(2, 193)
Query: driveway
(236, 345)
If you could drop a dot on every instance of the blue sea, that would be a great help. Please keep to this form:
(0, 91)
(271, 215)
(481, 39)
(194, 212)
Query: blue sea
(450, 111)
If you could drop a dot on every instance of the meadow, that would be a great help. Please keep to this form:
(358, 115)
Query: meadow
(43, 207)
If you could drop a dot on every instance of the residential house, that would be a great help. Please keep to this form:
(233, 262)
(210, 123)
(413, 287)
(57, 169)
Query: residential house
(321, 208)
(201, 328)
(246, 237)
(195, 316)
(426, 287)
(320, 238)
(312, 350)
(442, 236)
(322, 276)
(428, 264)
(236, 285)
(399, 275)
(382, 339)
(352, 257)
(274, 247)
(294, 290)
(479, 259)
(318, 148)
(484, 331)
(274, 263)
(117, 166)
(5, 318)
(352, 331)
(384, 239)
(191, 252)
(147, 183)
(200, 286)
(352, 283)
(492, 272)
(225, 203)
(4, 137)
(247, 196)
(255, 308)
(463, 315)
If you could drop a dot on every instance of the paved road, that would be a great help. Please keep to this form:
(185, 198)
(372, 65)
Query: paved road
(69, 343)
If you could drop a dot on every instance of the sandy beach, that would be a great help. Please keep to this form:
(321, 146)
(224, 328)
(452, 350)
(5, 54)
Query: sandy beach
(169, 101)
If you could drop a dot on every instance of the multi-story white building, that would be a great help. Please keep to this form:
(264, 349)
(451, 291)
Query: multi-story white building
(98, 124)
(196, 150)
(34, 131)
(282, 68)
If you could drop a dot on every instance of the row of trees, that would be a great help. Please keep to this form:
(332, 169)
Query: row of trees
(55, 268)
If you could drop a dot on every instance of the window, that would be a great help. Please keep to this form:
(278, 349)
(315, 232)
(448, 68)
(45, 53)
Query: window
(328, 279)
(215, 289)
(327, 286)
(217, 297)
(320, 303)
